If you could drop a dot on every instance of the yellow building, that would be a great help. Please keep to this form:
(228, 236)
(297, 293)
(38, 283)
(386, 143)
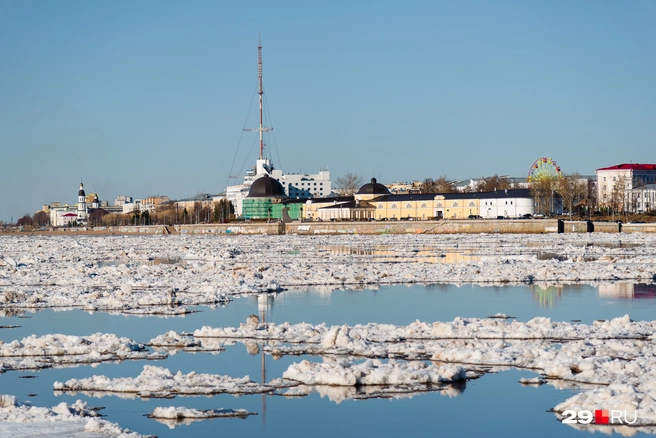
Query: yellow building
(312, 207)
(415, 206)
(457, 205)
(374, 200)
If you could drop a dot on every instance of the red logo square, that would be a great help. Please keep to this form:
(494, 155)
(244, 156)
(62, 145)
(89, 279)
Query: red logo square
(601, 416)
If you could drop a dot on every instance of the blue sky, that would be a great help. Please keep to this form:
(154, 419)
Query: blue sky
(148, 98)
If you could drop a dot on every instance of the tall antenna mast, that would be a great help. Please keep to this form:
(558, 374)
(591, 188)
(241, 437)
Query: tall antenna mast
(261, 93)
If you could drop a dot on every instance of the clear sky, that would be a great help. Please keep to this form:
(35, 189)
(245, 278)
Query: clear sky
(148, 97)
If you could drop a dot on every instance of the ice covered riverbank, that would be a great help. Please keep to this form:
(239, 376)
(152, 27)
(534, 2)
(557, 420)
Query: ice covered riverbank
(166, 274)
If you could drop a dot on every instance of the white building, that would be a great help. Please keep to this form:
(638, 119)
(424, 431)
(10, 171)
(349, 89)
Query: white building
(510, 204)
(237, 193)
(303, 185)
(123, 199)
(63, 216)
(616, 184)
(296, 185)
(81, 206)
(139, 205)
(643, 198)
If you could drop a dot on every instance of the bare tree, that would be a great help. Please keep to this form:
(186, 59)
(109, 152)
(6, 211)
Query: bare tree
(428, 186)
(439, 185)
(617, 196)
(543, 190)
(222, 211)
(348, 184)
(443, 185)
(25, 221)
(573, 190)
(96, 216)
(40, 218)
(493, 183)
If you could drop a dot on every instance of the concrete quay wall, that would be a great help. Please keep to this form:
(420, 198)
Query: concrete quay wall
(528, 226)
(272, 228)
(638, 228)
(425, 227)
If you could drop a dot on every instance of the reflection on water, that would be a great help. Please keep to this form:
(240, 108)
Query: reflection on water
(629, 291)
(398, 304)
(338, 394)
(389, 254)
(150, 262)
(612, 245)
(386, 253)
(547, 297)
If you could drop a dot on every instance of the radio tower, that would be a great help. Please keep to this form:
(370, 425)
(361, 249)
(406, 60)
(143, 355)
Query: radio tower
(261, 93)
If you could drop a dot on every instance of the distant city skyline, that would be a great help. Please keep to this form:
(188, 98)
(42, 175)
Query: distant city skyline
(150, 98)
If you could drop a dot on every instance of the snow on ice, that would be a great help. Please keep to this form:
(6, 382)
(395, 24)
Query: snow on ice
(610, 361)
(166, 274)
(179, 416)
(59, 350)
(75, 420)
(159, 382)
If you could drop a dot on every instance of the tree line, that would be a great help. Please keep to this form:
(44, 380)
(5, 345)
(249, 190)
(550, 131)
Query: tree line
(221, 211)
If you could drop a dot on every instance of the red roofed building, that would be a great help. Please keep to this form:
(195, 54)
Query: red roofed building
(621, 186)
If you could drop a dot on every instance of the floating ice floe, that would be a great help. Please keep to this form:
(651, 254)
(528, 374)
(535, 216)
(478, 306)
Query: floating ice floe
(373, 372)
(171, 342)
(181, 416)
(618, 351)
(157, 382)
(77, 420)
(99, 274)
(38, 352)
(121, 274)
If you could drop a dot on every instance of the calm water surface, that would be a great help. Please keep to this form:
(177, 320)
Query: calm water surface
(495, 405)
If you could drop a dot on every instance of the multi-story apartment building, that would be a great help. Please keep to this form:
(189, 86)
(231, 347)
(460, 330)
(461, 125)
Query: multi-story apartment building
(616, 185)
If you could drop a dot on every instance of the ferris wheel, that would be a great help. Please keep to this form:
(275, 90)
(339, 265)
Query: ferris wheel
(544, 168)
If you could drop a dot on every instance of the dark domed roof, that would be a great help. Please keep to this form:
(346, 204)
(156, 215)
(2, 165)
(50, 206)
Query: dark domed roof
(81, 192)
(373, 188)
(266, 187)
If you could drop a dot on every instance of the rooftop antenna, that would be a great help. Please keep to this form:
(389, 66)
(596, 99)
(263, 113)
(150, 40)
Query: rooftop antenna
(262, 129)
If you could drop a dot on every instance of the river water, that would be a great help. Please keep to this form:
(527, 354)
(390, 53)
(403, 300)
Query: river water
(494, 405)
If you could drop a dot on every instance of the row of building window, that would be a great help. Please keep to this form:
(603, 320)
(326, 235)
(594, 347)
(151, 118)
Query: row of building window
(643, 178)
(471, 204)
(440, 205)
(309, 184)
(406, 206)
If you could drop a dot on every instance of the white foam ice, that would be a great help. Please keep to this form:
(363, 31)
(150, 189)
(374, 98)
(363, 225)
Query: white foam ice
(75, 420)
(120, 274)
(614, 361)
(617, 351)
(372, 372)
(38, 352)
(160, 382)
(97, 273)
(178, 416)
